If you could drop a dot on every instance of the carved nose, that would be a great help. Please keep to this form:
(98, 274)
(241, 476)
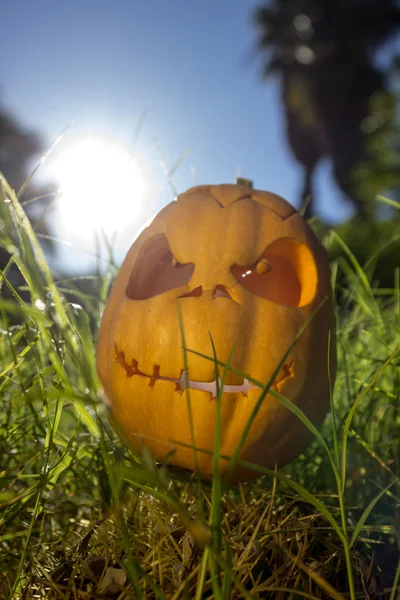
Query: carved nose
(220, 291)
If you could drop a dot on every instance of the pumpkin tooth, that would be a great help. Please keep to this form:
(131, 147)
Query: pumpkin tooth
(286, 372)
(131, 367)
(156, 375)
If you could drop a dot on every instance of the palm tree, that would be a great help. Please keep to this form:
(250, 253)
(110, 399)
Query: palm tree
(324, 53)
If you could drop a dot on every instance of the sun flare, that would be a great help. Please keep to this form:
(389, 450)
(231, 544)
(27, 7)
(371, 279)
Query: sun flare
(101, 187)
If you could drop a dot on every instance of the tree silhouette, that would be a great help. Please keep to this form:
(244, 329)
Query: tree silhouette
(17, 148)
(324, 52)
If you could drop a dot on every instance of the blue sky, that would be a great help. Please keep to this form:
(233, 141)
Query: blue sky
(189, 65)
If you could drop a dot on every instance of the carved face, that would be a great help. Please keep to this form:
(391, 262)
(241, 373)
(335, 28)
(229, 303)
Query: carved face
(245, 268)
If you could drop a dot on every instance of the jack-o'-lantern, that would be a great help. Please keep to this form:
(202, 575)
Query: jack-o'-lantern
(246, 270)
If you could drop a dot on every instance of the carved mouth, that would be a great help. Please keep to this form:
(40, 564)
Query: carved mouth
(206, 386)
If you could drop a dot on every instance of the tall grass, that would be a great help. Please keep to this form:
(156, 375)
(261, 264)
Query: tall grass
(82, 516)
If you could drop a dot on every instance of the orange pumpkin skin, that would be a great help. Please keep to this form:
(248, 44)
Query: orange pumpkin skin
(246, 269)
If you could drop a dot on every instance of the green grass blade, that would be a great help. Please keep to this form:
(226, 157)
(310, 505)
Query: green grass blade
(367, 511)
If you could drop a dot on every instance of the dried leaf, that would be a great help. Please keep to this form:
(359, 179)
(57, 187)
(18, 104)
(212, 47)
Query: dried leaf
(62, 573)
(187, 547)
(94, 565)
(177, 574)
(113, 580)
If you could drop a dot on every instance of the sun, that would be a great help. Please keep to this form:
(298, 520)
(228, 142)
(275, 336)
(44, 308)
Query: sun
(101, 187)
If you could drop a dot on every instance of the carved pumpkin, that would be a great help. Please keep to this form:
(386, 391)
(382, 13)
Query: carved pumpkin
(245, 268)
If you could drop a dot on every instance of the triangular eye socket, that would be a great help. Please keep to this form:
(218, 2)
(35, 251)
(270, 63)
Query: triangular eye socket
(156, 271)
(285, 274)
